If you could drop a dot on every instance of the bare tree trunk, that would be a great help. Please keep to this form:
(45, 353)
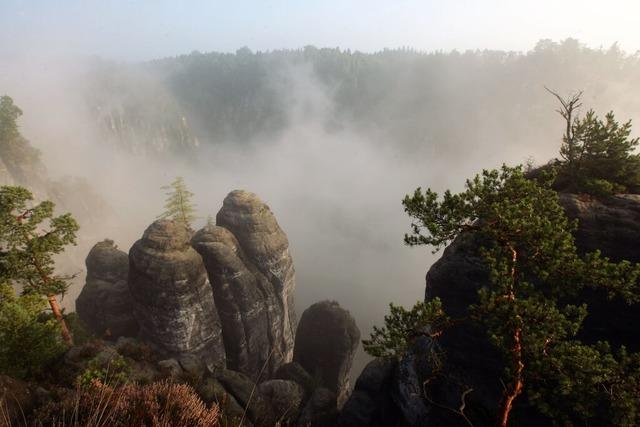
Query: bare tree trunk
(55, 308)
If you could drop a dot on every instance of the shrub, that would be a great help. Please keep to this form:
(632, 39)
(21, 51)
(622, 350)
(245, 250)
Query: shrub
(114, 372)
(29, 340)
(161, 404)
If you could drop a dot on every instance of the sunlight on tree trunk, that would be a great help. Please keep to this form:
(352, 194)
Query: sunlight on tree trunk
(55, 308)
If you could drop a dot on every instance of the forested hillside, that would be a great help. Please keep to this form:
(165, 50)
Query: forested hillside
(409, 97)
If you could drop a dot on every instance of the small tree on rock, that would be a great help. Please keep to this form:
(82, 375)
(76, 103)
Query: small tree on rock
(178, 205)
(597, 156)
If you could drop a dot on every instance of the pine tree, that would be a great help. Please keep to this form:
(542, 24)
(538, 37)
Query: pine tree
(596, 156)
(29, 239)
(178, 205)
(535, 269)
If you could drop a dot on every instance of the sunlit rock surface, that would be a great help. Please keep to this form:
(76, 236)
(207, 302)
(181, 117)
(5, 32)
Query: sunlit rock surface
(172, 297)
(251, 272)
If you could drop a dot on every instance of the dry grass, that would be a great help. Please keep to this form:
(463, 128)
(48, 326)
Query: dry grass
(160, 404)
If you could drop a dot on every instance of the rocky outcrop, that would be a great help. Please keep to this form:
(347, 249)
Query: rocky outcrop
(104, 304)
(326, 342)
(251, 272)
(172, 297)
(610, 225)
(371, 402)
(248, 305)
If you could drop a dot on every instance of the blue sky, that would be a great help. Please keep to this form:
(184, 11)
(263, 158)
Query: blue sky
(145, 29)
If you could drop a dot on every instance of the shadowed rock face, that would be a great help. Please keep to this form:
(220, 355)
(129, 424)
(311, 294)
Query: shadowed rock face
(326, 342)
(266, 245)
(104, 305)
(172, 297)
(250, 309)
(251, 272)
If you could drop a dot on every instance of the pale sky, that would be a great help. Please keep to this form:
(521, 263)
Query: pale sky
(146, 29)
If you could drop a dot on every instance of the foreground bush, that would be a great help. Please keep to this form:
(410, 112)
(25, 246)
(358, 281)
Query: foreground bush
(29, 341)
(160, 404)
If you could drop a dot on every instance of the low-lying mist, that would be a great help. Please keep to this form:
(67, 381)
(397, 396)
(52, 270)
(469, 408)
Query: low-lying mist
(335, 190)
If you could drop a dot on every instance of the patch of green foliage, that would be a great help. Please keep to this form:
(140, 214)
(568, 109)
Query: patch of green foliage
(402, 326)
(178, 205)
(30, 237)
(530, 307)
(113, 373)
(14, 149)
(78, 329)
(26, 257)
(29, 341)
(597, 156)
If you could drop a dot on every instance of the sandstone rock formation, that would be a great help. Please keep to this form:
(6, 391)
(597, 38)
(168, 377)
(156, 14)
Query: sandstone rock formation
(105, 305)
(248, 306)
(251, 272)
(326, 341)
(172, 297)
(371, 402)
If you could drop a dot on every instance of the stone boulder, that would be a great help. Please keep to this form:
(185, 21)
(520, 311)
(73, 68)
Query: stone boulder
(326, 342)
(104, 304)
(172, 298)
(293, 371)
(211, 391)
(251, 271)
(285, 398)
(320, 410)
(248, 396)
(371, 403)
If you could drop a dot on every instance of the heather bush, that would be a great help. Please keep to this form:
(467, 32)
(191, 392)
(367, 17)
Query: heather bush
(161, 404)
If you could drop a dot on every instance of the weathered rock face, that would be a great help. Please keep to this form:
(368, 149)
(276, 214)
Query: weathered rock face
(105, 305)
(611, 225)
(249, 308)
(251, 272)
(326, 341)
(172, 297)
(263, 241)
